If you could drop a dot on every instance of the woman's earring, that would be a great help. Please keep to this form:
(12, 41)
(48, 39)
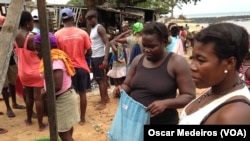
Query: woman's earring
(225, 71)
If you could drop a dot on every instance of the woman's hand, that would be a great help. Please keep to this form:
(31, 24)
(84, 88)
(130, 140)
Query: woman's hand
(105, 64)
(120, 60)
(156, 107)
(43, 93)
(113, 45)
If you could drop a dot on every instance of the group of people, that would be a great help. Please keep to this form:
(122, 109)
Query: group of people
(143, 55)
(9, 88)
(223, 46)
(70, 48)
(219, 51)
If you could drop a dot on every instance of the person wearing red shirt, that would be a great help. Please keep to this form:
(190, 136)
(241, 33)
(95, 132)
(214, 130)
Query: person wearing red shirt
(77, 44)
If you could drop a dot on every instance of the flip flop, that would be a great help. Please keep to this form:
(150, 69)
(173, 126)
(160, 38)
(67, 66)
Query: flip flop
(2, 131)
(81, 123)
(18, 106)
(100, 107)
(10, 114)
(45, 126)
(27, 123)
(106, 101)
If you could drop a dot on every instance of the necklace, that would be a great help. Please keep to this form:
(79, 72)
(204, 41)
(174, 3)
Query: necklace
(220, 93)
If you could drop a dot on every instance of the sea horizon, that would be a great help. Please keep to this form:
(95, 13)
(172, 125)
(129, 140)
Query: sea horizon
(241, 22)
(223, 14)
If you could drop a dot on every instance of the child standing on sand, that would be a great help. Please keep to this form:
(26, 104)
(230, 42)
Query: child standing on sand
(118, 71)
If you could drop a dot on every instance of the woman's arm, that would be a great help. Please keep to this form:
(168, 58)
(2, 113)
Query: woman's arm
(122, 35)
(126, 83)
(183, 76)
(237, 113)
(58, 79)
(102, 32)
(30, 45)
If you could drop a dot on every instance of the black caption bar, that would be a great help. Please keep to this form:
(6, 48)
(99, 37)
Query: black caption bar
(217, 132)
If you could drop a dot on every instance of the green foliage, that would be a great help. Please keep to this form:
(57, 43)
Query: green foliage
(161, 6)
(158, 5)
(75, 2)
(165, 6)
(188, 1)
(133, 2)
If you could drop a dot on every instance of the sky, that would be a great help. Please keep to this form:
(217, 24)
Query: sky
(214, 6)
(202, 7)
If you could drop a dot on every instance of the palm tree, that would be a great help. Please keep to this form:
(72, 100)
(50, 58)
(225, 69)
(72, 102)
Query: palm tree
(89, 3)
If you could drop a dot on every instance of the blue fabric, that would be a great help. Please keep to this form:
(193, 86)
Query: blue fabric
(130, 118)
(170, 47)
(36, 30)
(136, 50)
(113, 57)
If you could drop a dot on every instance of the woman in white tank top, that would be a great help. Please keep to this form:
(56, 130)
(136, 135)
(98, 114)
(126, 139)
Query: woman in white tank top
(217, 56)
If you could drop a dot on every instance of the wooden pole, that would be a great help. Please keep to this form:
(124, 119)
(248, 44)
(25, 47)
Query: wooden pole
(49, 77)
(7, 36)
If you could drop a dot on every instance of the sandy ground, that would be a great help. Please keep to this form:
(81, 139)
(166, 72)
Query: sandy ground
(95, 129)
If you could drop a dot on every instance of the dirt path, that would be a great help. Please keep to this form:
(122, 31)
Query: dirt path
(95, 128)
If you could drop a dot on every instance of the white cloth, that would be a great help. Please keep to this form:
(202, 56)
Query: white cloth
(98, 46)
(117, 72)
(196, 117)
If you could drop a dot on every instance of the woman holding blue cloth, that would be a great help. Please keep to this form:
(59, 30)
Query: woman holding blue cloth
(156, 75)
(152, 83)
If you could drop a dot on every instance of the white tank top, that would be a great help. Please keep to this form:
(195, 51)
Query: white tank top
(196, 117)
(98, 46)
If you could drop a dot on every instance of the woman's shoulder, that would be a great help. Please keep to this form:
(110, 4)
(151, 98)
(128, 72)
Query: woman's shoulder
(176, 58)
(137, 59)
(30, 36)
(236, 111)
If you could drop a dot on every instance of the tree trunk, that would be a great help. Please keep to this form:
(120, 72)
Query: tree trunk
(7, 36)
(172, 12)
(48, 71)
